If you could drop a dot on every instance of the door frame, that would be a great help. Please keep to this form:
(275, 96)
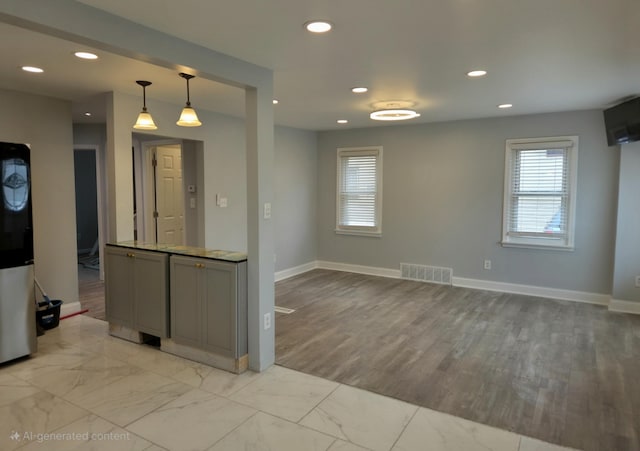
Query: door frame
(102, 201)
(145, 222)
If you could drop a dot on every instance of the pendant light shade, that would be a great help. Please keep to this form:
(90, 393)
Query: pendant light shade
(188, 117)
(145, 121)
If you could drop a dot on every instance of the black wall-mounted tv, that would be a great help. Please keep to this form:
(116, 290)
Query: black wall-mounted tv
(623, 122)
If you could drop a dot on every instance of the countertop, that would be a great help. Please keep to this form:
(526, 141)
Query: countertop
(229, 256)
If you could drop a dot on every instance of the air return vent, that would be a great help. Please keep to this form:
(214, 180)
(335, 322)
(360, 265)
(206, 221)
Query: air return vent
(422, 273)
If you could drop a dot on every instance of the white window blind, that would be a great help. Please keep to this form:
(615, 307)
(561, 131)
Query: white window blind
(539, 192)
(358, 191)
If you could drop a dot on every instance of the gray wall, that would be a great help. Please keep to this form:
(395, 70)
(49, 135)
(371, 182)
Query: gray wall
(94, 134)
(54, 207)
(190, 160)
(295, 197)
(627, 264)
(443, 193)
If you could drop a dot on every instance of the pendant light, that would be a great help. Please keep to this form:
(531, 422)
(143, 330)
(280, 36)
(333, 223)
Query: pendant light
(145, 121)
(188, 117)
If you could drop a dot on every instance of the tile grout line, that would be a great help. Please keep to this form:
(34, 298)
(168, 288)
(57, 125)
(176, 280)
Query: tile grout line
(405, 427)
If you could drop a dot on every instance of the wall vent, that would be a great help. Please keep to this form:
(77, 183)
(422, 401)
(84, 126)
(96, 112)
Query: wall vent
(422, 273)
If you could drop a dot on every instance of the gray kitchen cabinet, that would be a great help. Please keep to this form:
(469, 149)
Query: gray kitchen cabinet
(136, 290)
(208, 305)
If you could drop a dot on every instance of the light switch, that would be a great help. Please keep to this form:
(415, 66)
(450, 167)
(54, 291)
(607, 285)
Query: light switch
(223, 202)
(267, 210)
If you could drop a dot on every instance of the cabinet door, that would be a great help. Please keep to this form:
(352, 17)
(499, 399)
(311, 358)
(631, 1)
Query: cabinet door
(186, 303)
(220, 313)
(118, 286)
(150, 293)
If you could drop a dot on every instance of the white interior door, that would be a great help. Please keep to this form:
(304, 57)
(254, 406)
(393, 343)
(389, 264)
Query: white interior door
(169, 195)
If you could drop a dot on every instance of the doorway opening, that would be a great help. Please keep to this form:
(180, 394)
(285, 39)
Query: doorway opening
(88, 179)
(167, 207)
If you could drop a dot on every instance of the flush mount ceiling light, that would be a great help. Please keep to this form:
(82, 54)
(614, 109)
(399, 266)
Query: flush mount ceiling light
(275, 101)
(145, 121)
(318, 26)
(86, 55)
(359, 89)
(188, 117)
(87, 113)
(505, 105)
(342, 121)
(399, 114)
(32, 69)
(477, 73)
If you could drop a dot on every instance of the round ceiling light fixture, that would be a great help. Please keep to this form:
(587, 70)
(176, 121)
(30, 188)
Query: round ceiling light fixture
(359, 90)
(505, 105)
(398, 114)
(477, 73)
(86, 55)
(275, 101)
(342, 121)
(318, 26)
(32, 69)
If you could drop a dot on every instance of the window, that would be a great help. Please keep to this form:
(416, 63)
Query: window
(359, 191)
(540, 192)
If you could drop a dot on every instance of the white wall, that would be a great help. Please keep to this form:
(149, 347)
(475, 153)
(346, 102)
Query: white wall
(627, 263)
(442, 201)
(45, 124)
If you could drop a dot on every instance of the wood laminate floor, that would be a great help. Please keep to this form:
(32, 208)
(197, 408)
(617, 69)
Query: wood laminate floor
(560, 371)
(91, 292)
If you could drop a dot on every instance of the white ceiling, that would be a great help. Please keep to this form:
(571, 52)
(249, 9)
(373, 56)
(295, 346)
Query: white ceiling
(541, 55)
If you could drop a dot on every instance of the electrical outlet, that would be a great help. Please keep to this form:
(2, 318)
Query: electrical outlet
(267, 321)
(487, 264)
(267, 210)
(638, 281)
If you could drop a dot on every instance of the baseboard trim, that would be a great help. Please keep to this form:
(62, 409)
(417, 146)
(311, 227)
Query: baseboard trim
(463, 282)
(530, 290)
(359, 269)
(295, 271)
(620, 306)
(70, 308)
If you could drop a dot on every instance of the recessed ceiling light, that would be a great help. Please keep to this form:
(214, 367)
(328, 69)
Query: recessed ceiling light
(275, 101)
(393, 115)
(33, 69)
(359, 89)
(342, 121)
(477, 73)
(87, 113)
(86, 55)
(318, 26)
(505, 105)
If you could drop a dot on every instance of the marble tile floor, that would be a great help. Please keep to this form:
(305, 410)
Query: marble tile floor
(87, 390)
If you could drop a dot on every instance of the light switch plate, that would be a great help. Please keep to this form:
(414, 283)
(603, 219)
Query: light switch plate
(267, 210)
(223, 202)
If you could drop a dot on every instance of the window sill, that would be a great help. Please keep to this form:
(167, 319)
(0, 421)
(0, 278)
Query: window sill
(359, 233)
(549, 247)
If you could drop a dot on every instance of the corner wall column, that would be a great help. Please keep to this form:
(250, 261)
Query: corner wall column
(260, 236)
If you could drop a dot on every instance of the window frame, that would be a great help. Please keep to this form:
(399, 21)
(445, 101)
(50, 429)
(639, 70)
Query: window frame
(512, 146)
(373, 231)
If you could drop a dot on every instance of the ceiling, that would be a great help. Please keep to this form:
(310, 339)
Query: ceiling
(541, 56)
